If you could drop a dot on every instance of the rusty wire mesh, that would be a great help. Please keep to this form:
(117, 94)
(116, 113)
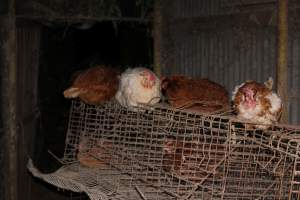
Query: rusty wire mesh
(165, 153)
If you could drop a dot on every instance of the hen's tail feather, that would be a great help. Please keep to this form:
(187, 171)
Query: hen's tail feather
(72, 92)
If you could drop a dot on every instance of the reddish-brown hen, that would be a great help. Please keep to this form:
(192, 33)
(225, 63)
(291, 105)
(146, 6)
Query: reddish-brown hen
(192, 160)
(195, 94)
(95, 85)
(256, 103)
(94, 153)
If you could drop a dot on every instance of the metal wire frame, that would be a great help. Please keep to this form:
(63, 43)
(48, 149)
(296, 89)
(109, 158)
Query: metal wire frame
(166, 153)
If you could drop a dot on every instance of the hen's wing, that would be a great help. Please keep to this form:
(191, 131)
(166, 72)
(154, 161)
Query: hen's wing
(196, 94)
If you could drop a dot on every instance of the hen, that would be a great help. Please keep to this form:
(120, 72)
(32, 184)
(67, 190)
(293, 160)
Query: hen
(200, 95)
(94, 154)
(138, 86)
(95, 85)
(256, 103)
(192, 160)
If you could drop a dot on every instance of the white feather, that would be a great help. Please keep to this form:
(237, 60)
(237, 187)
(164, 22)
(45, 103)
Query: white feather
(276, 102)
(253, 115)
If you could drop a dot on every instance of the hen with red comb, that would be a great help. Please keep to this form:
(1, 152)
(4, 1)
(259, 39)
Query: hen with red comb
(256, 103)
(138, 86)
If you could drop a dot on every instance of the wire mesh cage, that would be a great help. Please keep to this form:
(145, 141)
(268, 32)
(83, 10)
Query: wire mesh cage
(164, 153)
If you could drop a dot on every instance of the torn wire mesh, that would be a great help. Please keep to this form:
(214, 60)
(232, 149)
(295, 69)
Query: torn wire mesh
(165, 153)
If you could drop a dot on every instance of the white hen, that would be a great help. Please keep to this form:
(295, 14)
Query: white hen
(138, 86)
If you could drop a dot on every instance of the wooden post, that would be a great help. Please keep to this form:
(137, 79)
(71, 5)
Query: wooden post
(8, 70)
(282, 57)
(157, 37)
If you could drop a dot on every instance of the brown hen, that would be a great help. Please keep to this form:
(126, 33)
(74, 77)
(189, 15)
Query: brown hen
(257, 103)
(200, 95)
(192, 160)
(94, 153)
(95, 85)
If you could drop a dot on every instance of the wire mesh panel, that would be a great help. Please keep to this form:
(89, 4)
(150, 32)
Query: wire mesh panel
(164, 153)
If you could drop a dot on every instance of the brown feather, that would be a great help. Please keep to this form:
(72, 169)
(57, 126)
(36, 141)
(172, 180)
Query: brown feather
(264, 113)
(95, 85)
(199, 94)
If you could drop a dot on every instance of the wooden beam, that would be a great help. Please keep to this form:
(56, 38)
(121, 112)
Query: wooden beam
(282, 57)
(78, 19)
(8, 68)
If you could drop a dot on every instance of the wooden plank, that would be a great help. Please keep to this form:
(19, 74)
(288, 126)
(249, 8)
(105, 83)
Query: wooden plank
(9, 138)
(163, 41)
(282, 59)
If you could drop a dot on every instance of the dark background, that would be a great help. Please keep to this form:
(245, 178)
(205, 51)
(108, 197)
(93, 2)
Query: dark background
(65, 50)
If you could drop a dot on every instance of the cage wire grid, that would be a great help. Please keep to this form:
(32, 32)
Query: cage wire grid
(165, 153)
